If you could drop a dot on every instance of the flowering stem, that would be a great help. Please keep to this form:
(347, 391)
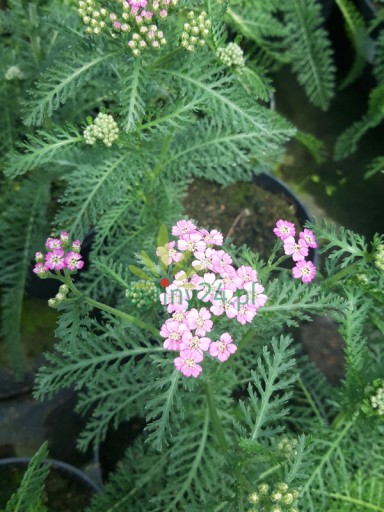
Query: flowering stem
(344, 272)
(109, 309)
(124, 316)
(158, 167)
(215, 418)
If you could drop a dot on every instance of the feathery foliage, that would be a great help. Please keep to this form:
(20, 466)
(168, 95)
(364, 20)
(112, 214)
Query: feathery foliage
(358, 36)
(28, 496)
(60, 82)
(24, 206)
(121, 135)
(270, 378)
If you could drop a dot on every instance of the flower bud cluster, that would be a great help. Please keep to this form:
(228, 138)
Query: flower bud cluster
(103, 128)
(93, 17)
(280, 498)
(142, 293)
(196, 31)
(14, 73)
(287, 446)
(377, 401)
(137, 19)
(146, 37)
(59, 297)
(231, 55)
(379, 258)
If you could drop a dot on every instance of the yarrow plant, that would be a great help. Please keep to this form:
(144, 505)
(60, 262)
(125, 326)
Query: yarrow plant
(189, 333)
(222, 303)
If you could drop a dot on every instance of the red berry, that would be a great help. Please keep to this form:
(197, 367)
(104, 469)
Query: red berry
(164, 282)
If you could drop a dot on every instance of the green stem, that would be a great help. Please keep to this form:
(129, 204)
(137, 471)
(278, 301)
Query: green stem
(109, 309)
(240, 504)
(33, 34)
(342, 273)
(158, 167)
(215, 418)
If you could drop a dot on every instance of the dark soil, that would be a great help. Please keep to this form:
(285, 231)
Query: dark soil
(63, 492)
(245, 212)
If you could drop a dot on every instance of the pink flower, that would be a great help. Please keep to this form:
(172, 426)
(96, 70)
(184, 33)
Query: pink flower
(245, 310)
(179, 316)
(187, 363)
(39, 269)
(247, 275)
(175, 298)
(199, 320)
(298, 250)
(73, 261)
(206, 286)
(305, 270)
(203, 259)
(194, 243)
(196, 344)
(64, 237)
(255, 294)
(76, 246)
(221, 262)
(55, 260)
(309, 238)
(183, 229)
(53, 243)
(231, 280)
(172, 331)
(224, 304)
(284, 229)
(39, 257)
(223, 348)
(213, 237)
(167, 253)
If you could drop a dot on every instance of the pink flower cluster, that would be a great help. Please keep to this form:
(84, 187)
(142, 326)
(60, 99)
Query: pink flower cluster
(304, 270)
(216, 288)
(56, 258)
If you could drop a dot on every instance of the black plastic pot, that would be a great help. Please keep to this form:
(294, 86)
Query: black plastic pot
(67, 488)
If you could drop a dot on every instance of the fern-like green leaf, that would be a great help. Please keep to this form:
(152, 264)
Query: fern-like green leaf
(41, 149)
(340, 243)
(165, 405)
(375, 167)
(358, 36)
(269, 390)
(23, 225)
(310, 51)
(378, 60)
(356, 349)
(314, 145)
(29, 495)
(59, 83)
(132, 94)
(347, 142)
